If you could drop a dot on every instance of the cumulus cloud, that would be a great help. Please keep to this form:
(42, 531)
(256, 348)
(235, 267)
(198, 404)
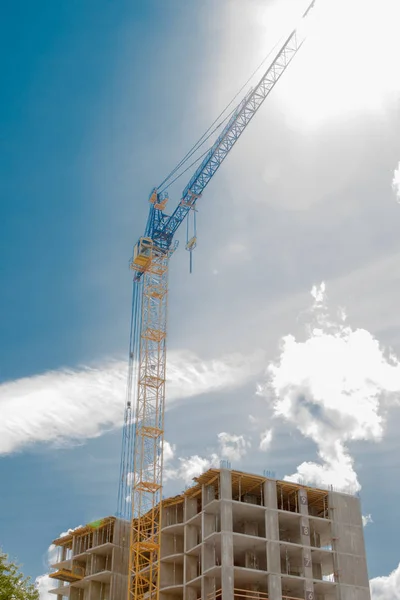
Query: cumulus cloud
(335, 387)
(190, 467)
(169, 451)
(396, 182)
(265, 439)
(230, 447)
(44, 584)
(386, 588)
(69, 405)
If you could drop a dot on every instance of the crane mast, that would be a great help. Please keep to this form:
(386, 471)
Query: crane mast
(149, 335)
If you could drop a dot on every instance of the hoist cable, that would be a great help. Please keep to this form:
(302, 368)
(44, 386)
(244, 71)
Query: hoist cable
(201, 140)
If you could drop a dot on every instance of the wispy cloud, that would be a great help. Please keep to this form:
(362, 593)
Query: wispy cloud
(70, 405)
(265, 439)
(335, 387)
(386, 588)
(366, 520)
(396, 182)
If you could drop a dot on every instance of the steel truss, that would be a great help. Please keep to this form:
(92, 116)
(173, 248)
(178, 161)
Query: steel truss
(163, 232)
(144, 565)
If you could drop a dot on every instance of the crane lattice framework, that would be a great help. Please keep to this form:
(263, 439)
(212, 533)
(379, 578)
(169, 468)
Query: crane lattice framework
(149, 315)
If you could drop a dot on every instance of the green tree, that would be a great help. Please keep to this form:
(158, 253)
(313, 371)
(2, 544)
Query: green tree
(13, 585)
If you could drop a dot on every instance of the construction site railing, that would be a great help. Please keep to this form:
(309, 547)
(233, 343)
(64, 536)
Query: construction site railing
(239, 594)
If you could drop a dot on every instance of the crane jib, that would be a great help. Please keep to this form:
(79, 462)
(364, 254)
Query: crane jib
(230, 134)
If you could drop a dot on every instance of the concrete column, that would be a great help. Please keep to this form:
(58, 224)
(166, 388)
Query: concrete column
(273, 546)
(305, 540)
(225, 484)
(274, 587)
(271, 525)
(227, 572)
(274, 570)
(204, 592)
(270, 497)
(227, 577)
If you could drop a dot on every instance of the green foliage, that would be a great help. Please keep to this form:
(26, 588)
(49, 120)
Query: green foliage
(13, 585)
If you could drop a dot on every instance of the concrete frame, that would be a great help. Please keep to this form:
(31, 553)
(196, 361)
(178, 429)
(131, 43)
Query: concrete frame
(237, 536)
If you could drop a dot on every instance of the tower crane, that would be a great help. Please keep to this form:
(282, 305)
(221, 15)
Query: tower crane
(143, 437)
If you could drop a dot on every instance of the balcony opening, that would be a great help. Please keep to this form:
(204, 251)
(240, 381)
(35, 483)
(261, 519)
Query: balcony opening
(212, 524)
(249, 489)
(248, 519)
(193, 536)
(171, 574)
(291, 560)
(250, 556)
(289, 528)
(172, 515)
(171, 544)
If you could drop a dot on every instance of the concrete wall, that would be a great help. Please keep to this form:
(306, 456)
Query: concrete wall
(349, 547)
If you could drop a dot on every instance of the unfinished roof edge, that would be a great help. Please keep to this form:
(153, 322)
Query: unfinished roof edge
(209, 476)
(66, 539)
(206, 478)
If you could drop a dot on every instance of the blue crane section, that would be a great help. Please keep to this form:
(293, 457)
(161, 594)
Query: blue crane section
(161, 228)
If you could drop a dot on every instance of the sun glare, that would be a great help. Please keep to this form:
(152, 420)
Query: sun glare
(350, 61)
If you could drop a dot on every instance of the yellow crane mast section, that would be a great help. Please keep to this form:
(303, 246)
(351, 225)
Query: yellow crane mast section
(144, 564)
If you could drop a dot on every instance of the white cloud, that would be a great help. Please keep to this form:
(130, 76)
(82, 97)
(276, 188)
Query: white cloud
(188, 375)
(364, 46)
(169, 451)
(318, 292)
(231, 446)
(44, 584)
(335, 387)
(190, 467)
(386, 588)
(396, 182)
(74, 404)
(366, 519)
(265, 439)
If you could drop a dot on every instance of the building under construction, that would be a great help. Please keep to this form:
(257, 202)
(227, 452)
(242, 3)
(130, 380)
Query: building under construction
(231, 536)
(91, 561)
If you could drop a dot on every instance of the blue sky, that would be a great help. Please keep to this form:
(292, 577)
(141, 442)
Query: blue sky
(100, 100)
